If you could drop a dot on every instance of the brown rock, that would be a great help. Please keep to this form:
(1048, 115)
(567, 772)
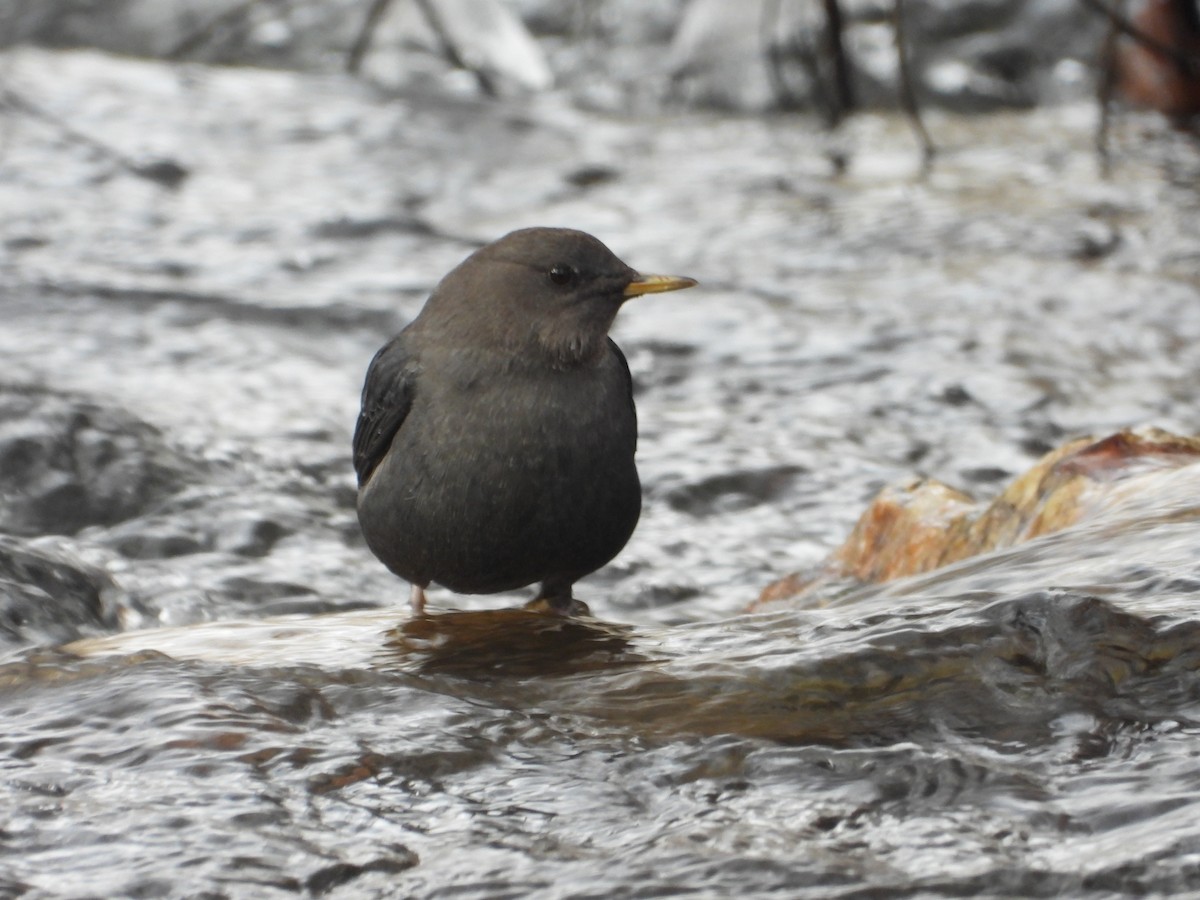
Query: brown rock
(924, 525)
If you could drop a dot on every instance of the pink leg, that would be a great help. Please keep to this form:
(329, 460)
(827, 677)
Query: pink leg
(416, 597)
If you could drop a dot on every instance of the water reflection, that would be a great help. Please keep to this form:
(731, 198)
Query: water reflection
(516, 643)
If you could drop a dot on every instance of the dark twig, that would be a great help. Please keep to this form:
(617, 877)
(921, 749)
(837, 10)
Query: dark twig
(450, 51)
(230, 18)
(826, 94)
(908, 96)
(1105, 88)
(166, 172)
(767, 24)
(843, 86)
(446, 45)
(778, 53)
(362, 41)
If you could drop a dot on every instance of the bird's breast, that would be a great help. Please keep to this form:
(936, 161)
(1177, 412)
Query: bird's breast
(499, 480)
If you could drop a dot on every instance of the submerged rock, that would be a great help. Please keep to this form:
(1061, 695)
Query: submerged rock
(48, 596)
(234, 521)
(924, 525)
(66, 463)
(728, 491)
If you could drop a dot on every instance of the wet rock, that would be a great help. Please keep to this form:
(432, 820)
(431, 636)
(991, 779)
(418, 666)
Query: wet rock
(49, 597)
(165, 541)
(66, 463)
(347, 228)
(956, 395)
(169, 173)
(925, 525)
(984, 474)
(730, 491)
(252, 535)
(903, 531)
(656, 595)
(587, 176)
(340, 873)
(1094, 240)
(259, 592)
(27, 242)
(237, 523)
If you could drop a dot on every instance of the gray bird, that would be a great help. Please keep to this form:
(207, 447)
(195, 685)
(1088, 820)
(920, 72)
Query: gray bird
(495, 444)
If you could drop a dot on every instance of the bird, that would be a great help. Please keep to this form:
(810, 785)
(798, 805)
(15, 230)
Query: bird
(494, 447)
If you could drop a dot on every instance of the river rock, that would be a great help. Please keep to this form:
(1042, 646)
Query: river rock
(231, 520)
(49, 596)
(924, 525)
(67, 462)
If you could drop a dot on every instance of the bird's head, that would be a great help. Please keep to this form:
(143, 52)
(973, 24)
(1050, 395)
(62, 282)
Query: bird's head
(548, 294)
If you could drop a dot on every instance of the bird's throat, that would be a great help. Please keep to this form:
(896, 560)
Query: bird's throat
(571, 351)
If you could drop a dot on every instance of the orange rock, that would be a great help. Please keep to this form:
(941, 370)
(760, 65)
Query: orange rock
(903, 531)
(924, 525)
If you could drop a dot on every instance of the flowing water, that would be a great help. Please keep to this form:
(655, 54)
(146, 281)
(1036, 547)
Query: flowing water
(1021, 724)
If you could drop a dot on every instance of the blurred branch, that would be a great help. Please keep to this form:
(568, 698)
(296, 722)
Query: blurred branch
(166, 172)
(908, 96)
(832, 93)
(362, 41)
(1106, 87)
(776, 54)
(229, 19)
(843, 85)
(433, 18)
(450, 51)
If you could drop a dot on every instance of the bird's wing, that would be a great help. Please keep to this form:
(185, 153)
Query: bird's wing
(386, 399)
(629, 380)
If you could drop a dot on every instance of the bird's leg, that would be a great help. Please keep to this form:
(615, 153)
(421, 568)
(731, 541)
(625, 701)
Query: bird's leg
(558, 598)
(416, 597)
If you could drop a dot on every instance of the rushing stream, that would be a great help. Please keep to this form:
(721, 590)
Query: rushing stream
(1025, 723)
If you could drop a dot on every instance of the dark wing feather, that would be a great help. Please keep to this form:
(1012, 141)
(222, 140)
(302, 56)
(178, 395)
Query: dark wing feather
(629, 379)
(386, 399)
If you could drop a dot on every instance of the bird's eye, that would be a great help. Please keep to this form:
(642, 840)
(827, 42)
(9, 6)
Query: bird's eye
(562, 274)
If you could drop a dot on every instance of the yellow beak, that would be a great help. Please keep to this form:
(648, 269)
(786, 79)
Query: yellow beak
(656, 284)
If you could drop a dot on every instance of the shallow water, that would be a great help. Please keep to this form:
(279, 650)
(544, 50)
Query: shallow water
(1022, 724)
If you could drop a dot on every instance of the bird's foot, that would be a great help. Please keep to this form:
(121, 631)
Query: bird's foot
(558, 606)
